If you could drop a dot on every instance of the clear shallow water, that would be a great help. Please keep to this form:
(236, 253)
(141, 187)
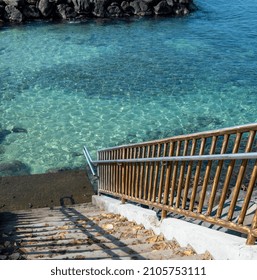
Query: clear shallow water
(120, 82)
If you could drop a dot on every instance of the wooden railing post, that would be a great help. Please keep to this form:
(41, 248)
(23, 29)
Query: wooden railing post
(251, 238)
(148, 175)
(123, 200)
(167, 182)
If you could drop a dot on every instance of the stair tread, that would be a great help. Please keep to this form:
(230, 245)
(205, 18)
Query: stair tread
(85, 232)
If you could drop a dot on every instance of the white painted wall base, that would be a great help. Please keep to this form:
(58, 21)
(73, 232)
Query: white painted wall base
(222, 246)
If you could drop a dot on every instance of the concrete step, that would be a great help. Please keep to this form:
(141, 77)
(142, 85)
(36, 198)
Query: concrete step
(83, 232)
(96, 251)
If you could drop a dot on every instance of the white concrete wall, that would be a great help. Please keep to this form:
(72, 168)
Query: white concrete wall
(222, 246)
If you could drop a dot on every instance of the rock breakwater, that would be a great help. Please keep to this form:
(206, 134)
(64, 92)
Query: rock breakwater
(27, 10)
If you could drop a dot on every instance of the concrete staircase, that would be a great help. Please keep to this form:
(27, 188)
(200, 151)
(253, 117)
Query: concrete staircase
(83, 232)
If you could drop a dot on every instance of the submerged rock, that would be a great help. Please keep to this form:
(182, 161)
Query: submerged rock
(17, 129)
(3, 134)
(76, 154)
(2, 150)
(13, 168)
(57, 170)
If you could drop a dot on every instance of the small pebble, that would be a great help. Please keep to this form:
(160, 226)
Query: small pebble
(7, 244)
(14, 256)
(108, 226)
(3, 257)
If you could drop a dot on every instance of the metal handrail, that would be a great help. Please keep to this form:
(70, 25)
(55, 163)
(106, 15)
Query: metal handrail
(182, 158)
(90, 162)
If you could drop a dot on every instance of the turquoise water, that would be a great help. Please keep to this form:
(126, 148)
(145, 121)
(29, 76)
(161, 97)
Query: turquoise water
(103, 84)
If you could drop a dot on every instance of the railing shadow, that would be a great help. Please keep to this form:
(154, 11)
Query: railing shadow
(8, 246)
(35, 239)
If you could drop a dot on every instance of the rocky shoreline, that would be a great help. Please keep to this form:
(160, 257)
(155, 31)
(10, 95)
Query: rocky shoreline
(18, 11)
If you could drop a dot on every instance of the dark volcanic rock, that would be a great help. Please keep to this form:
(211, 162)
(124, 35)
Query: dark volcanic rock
(14, 3)
(82, 6)
(21, 10)
(170, 2)
(13, 14)
(114, 10)
(33, 2)
(163, 8)
(181, 10)
(61, 9)
(31, 12)
(12, 168)
(100, 8)
(127, 8)
(65, 11)
(46, 7)
(141, 8)
(2, 11)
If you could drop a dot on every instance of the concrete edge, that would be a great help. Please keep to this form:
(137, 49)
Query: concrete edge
(132, 212)
(220, 245)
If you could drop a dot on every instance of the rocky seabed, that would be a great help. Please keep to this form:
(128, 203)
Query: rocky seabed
(18, 11)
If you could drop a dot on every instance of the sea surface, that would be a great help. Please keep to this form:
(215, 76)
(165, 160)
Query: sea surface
(107, 83)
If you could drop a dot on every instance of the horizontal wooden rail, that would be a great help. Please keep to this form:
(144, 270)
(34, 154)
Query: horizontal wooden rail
(205, 134)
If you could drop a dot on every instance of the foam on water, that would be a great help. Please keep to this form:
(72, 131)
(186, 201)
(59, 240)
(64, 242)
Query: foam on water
(124, 81)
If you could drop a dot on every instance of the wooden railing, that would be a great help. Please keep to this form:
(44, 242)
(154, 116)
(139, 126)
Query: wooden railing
(196, 175)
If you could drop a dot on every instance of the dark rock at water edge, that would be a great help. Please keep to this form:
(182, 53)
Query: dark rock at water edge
(13, 168)
(2, 10)
(46, 7)
(14, 3)
(31, 12)
(13, 14)
(18, 11)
